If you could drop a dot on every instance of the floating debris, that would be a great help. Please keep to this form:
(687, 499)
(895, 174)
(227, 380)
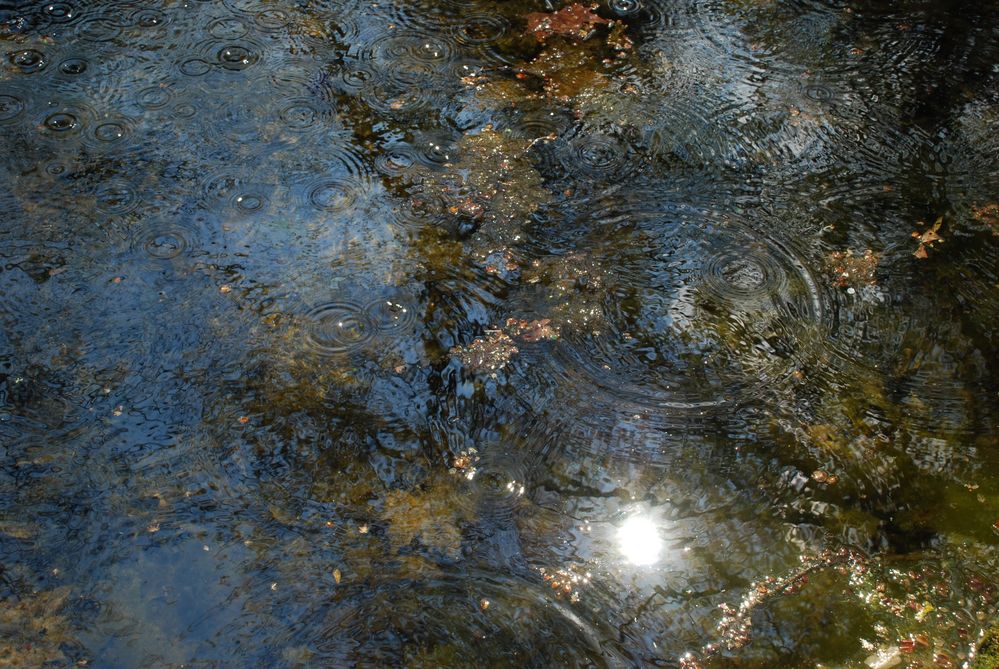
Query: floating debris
(988, 214)
(927, 238)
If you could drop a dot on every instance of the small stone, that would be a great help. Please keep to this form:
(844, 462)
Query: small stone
(885, 658)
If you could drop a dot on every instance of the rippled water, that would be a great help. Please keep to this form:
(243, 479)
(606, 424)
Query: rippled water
(393, 335)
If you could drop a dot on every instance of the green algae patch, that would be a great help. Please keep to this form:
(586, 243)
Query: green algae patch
(987, 656)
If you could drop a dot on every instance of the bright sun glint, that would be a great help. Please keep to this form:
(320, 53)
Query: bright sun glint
(639, 540)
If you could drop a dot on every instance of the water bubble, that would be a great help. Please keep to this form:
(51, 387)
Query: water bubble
(28, 60)
(98, 30)
(594, 154)
(625, 7)
(228, 28)
(10, 108)
(154, 97)
(117, 197)
(221, 187)
(299, 114)
(236, 57)
(110, 131)
(401, 50)
(434, 149)
(248, 202)
(165, 245)
(56, 168)
(195, 67)
(480, 29)
(390, 315)
(62, 122)
(73, 66)
(500, 481)
(149, 18)
(184, 110)
(338, 327)
(744, 273)
(333, 195)
(355, 78)
(59, 12)
(395, 159)
(398, 99)
(271, 19)
(819, 93)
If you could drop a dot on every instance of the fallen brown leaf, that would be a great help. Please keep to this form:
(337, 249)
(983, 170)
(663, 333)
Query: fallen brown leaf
(574, 21)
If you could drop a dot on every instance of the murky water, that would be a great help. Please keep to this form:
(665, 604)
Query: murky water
(435, 334)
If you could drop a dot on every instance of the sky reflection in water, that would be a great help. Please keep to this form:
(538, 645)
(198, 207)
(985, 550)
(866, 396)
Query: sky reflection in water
(391, 334)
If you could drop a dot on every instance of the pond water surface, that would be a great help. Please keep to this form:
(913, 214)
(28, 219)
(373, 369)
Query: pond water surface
(426, 333)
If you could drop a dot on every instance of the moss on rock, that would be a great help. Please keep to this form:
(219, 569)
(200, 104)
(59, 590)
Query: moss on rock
(988, 650)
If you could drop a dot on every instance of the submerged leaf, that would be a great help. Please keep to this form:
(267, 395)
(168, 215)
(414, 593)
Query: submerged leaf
(576, 21)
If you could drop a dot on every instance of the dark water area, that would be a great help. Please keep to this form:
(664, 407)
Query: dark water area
(418, 333)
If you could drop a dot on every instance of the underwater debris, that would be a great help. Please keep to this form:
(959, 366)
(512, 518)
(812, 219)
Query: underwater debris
(736, 624)
(486, 354)
(32, 629)
(429, 515)
(853, 270)
(575, 21)
(493, 351)
(464, 463)
(490, 186)
(531, 331)
(501, 263)
(988, 214)
(566, 581)
(568, 71)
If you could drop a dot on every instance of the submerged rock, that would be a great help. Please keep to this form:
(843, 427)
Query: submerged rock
(885, 658)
